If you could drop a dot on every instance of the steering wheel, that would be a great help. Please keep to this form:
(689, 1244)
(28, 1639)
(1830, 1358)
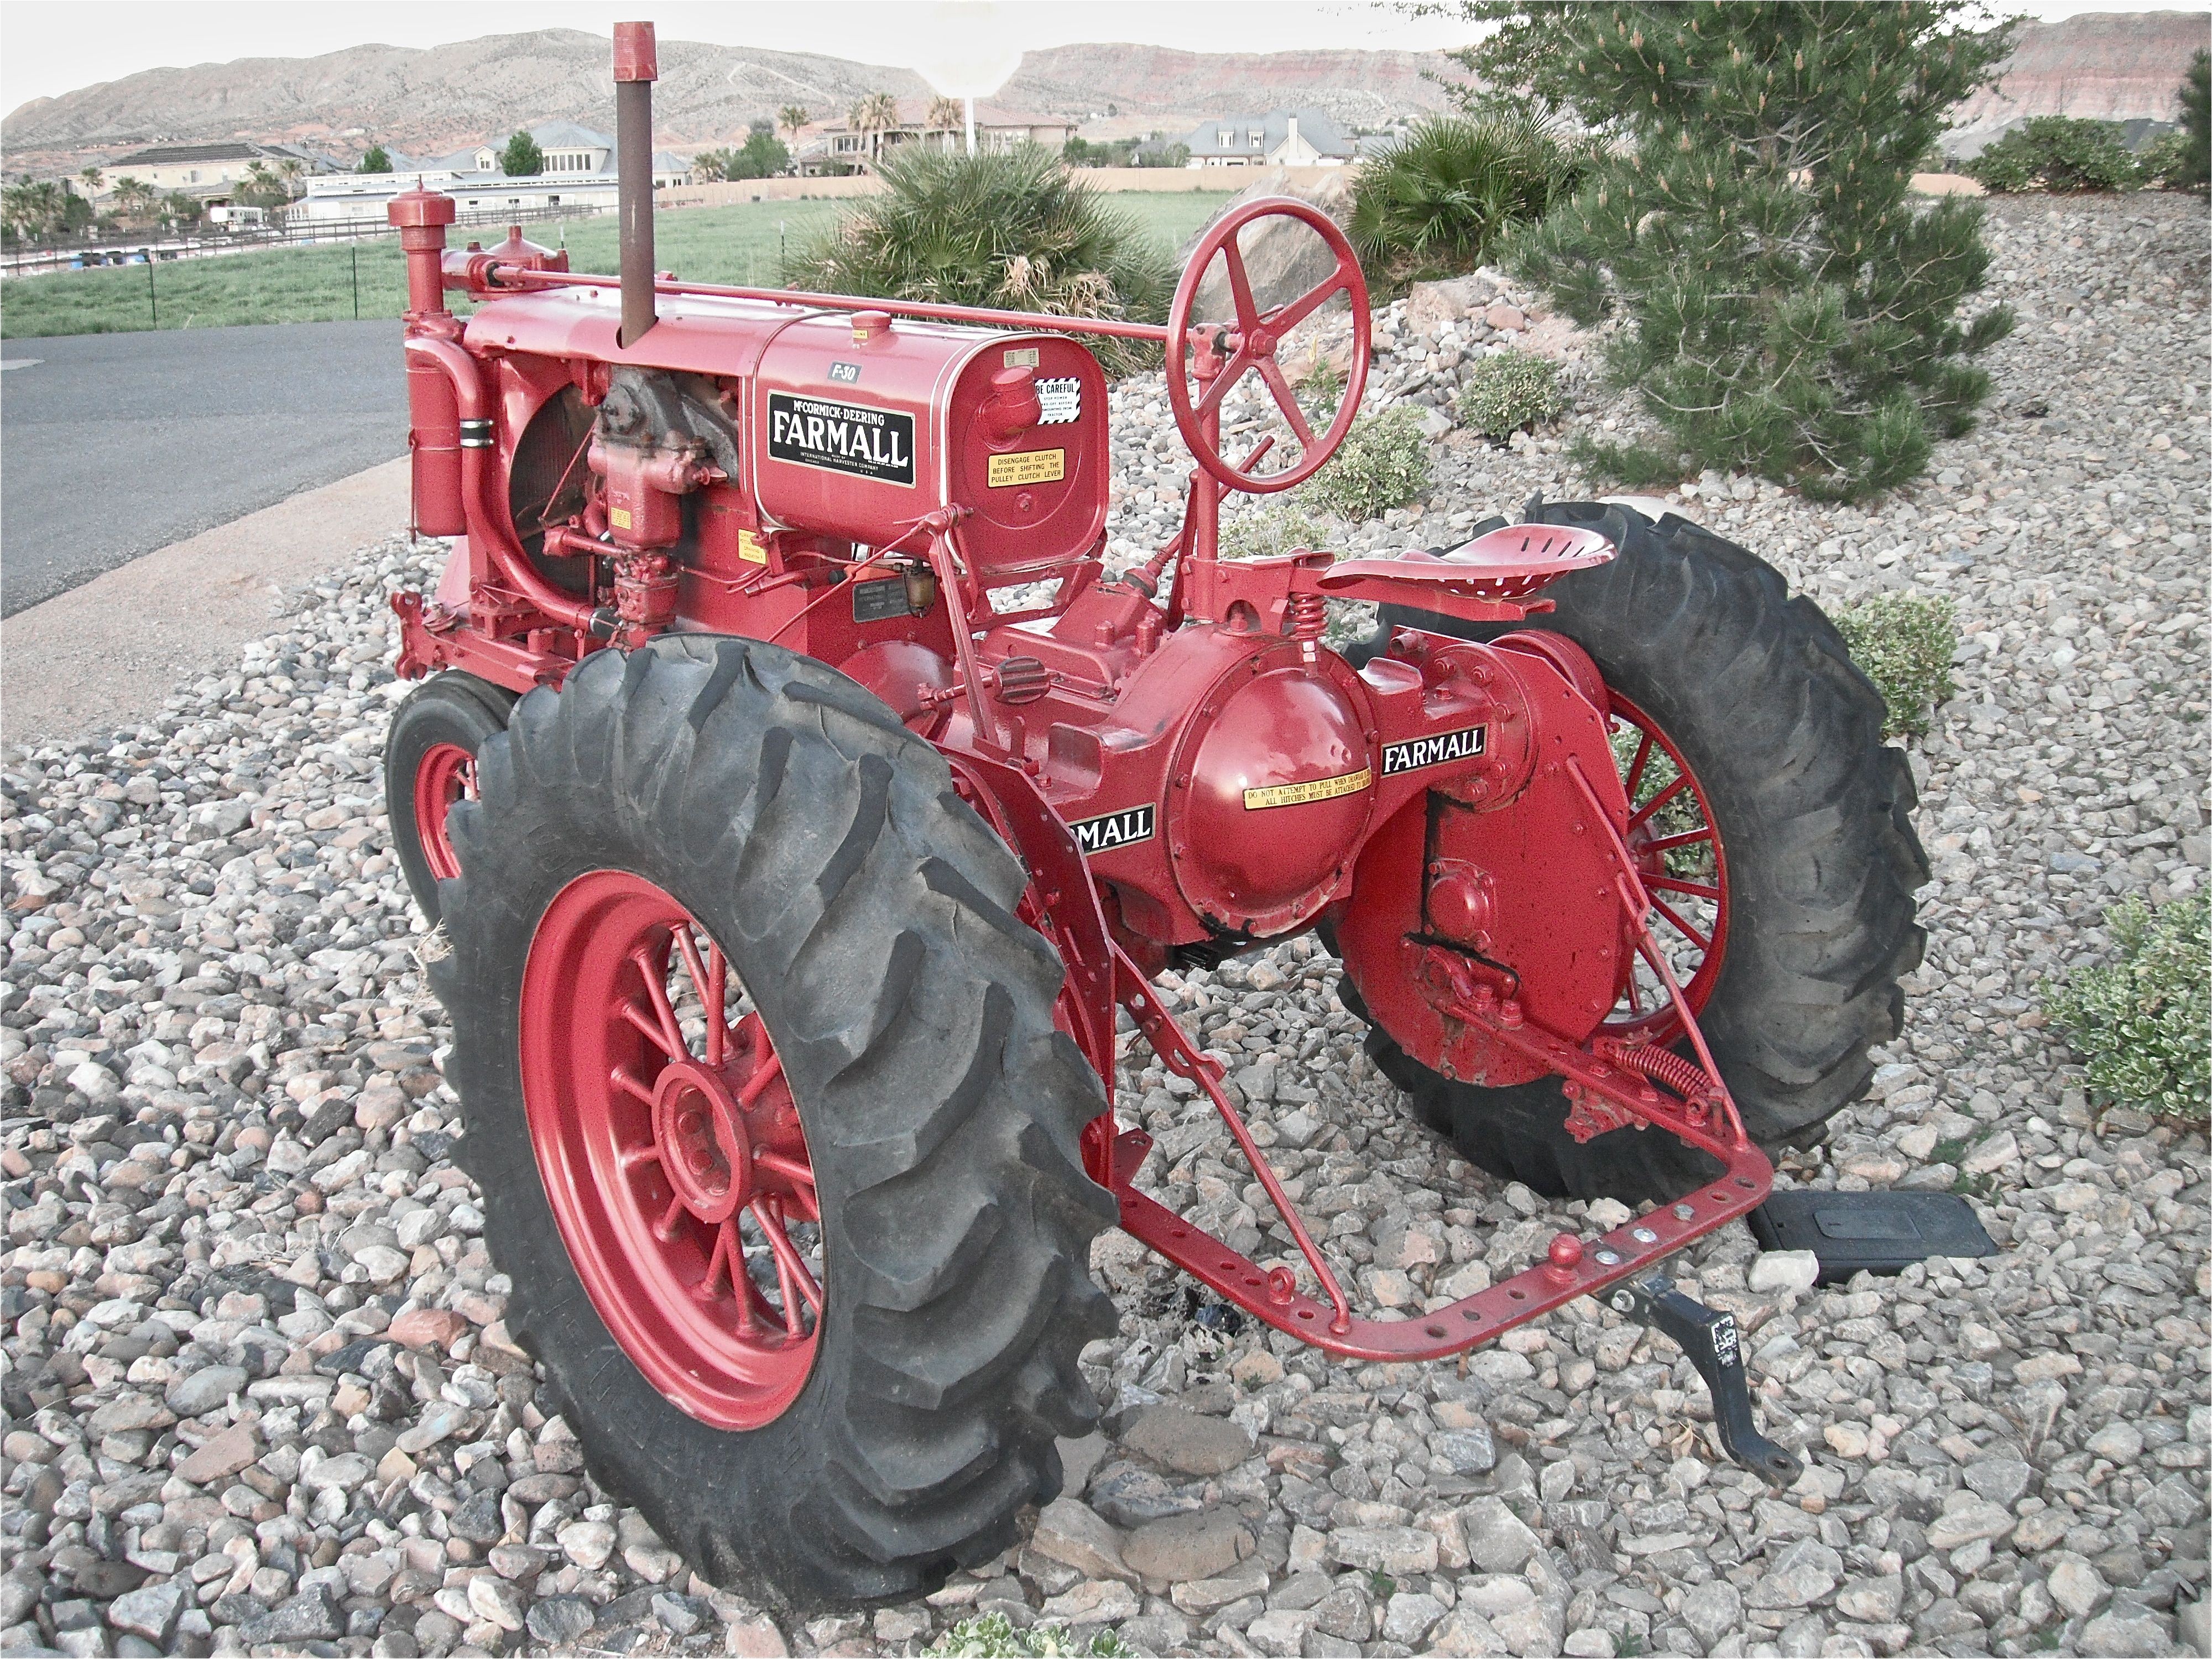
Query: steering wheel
(1250, 343)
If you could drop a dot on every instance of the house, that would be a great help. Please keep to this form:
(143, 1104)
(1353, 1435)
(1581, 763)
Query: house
(837, 147)
(579, 173)
(202, 169)
(1280, 138)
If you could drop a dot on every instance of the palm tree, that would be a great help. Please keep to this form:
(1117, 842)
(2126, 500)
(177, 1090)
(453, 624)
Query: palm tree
(289, 170)
(871, 117)
(131, 195)
(791, 118)
(946, 115)
(92, 179)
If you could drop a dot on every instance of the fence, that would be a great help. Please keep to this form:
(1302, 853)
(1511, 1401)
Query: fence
(24, 262)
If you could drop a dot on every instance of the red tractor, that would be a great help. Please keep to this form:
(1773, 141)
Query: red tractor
(803, 800)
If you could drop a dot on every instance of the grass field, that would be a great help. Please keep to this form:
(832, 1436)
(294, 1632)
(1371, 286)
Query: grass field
(740, 244)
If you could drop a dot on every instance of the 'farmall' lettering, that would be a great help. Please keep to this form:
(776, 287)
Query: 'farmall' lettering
(1123, 829)
(1417, 752)
(868, 443)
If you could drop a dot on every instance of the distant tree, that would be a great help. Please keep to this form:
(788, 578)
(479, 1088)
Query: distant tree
(378, 159)
(2195, 168)
(1078, 153)
(92, 179)
(134, 196)
(710, 167)
(791, 118)
(763, 155)
(946, 115)
(34, 210)
(262, 187)
(522, 159)
(179, 209)
(1161, 155)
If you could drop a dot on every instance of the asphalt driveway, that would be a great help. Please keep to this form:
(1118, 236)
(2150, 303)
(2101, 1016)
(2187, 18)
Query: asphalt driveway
(113, 445)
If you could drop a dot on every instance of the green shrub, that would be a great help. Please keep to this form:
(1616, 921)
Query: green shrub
(1011, 230)
(1904, 645)
(1781, 303)
(2059, 153)
(994, 1637)
(2140, 1021)
(1432, 204)
(1384, 464)
(1509, 391)
(1262, 532)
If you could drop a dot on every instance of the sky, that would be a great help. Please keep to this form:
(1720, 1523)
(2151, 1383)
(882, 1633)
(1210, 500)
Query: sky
(48, 48)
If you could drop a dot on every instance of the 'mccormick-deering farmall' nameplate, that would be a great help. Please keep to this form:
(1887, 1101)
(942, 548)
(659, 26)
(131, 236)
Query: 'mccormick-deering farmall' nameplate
(869, 443)
(1123, 829)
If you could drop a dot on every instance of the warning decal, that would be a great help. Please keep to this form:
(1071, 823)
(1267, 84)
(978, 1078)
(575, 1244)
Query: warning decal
(1031, 466)
(868, 443)
(1060, 399)
(1297, 794)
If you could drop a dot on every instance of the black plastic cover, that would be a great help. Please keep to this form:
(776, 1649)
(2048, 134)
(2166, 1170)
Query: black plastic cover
(1877, 1232)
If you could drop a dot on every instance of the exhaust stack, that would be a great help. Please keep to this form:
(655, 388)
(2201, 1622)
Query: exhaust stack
(636, 67)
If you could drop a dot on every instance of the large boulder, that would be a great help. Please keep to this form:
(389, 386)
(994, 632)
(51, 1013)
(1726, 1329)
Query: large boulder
(1283, 257)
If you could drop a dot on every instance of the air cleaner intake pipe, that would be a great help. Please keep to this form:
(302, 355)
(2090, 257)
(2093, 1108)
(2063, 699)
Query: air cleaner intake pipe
(636, 67)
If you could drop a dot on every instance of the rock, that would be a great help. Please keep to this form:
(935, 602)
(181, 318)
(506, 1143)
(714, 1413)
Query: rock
(1186, 1441)
(1466, 1451)
(1281, 1633)
(1078, 1458)
(19, 1594)
(1393, 1550)
(492, 1599)
(1070, 1533)
(587, 1543)
(1429, 306)
(1711, 1610)
(2003, 1480)
(1466, 1634)
(1872, 1601)
(205, 1389)
(1801, 1575)
(2130, 1628)
(1097, 1601)
(1183, 1548)
(2077, 1587)
(310, 1616)
(1964, 1522)
(1408, 1616)
(756, 1637)
(559, 1621)
(1498, 1540)
(428, 1328)
(679, 1615)
(1784, 1270)
(151, 1611)
(222, 1454)
(1203, 1595)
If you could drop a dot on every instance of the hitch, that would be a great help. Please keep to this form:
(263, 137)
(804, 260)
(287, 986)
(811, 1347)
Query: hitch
(1710, 1338)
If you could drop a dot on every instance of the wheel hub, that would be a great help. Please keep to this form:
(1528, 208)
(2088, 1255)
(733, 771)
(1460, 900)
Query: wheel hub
(701, 1135)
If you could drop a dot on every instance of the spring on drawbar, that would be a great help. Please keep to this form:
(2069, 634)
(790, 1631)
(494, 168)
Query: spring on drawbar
(1309, 615)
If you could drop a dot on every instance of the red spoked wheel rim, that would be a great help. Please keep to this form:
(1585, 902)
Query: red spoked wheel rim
(446, 774)
(1675, 840)
(672, 1151)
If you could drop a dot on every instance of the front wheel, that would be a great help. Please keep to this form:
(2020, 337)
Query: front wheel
(778, 1141)
(1772, 827)
(430, 766)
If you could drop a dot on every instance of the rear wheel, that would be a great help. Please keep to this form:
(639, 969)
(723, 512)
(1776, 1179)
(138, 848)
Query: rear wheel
(429, 765)
(1773, 828)
(778, 1141)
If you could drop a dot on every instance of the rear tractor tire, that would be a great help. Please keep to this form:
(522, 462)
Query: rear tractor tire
(1788, 849)
(777, 1138)
(429, 764)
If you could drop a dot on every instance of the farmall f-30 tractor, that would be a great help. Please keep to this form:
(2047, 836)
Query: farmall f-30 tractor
(796, 860)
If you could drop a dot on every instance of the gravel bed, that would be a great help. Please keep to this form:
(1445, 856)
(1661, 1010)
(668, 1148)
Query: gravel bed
(260, 1395)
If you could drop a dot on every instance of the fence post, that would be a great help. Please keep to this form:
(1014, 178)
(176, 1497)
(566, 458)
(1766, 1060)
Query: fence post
(153, 300)
(356, 246)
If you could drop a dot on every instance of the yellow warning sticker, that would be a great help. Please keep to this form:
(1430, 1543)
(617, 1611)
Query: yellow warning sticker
(750, 550)
(1297, 794)
(618, 517)
(1031, 466)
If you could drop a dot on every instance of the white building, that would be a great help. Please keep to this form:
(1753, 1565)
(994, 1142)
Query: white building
(579, 173)
(1280, 138)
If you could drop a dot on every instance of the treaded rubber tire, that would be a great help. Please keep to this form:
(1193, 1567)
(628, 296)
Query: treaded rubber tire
(452, 707)
(870, 912)
(1785, 733)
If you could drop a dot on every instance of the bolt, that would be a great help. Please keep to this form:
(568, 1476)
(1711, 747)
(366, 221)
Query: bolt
(1623, 1303)
(1684, 1211)
(1644, 1236)
(1608, 1258)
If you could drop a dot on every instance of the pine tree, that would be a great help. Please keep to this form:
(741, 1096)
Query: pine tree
(2195, 168)
(1785, 307)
